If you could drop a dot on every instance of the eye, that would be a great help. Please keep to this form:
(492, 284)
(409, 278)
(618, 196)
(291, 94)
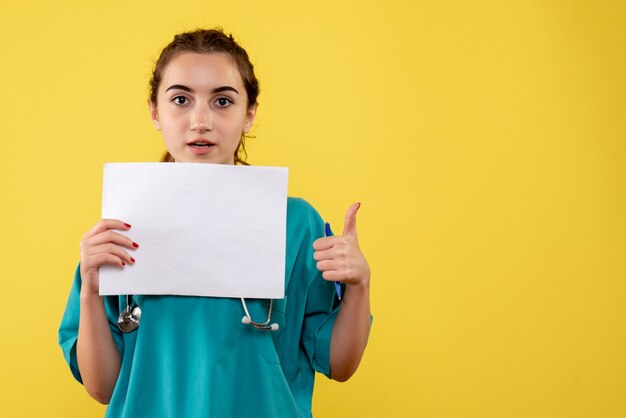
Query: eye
(223, 102)
(180, 100)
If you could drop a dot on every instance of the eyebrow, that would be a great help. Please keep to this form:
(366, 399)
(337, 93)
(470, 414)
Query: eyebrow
(215, 90)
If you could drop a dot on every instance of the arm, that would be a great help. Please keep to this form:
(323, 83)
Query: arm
(98, 358)
(96, 352)
(350, 332)
(340, 259)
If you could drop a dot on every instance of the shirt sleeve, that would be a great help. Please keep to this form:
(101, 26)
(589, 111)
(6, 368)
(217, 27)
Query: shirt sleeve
(321, 306)
(68, 330)
(321, 312)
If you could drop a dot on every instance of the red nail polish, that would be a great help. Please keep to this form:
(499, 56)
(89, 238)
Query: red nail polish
(132, 259)
(127, 225)
(123, 263)
(135, 245)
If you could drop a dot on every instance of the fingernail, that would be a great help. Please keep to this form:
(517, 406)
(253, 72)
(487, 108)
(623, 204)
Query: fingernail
(123, 263)
(135, 245)
(127, 225)
(132, 260)
(359, 203)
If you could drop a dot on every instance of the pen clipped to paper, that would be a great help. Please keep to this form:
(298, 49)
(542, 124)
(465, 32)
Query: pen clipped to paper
(328, 233)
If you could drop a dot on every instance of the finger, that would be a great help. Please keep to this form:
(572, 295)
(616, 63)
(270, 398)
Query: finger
(325, 243)
(105, 224)
(101, 259)
(109, 236)
(334, 275)
(328, 265)
(328, 254)
(342, 246)
(349, 225)
(110, 249)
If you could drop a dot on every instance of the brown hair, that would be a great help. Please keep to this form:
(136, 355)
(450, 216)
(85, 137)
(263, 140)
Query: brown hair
(206, 41)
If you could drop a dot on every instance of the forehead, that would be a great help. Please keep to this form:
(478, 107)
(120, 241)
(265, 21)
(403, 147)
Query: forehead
(202, 71)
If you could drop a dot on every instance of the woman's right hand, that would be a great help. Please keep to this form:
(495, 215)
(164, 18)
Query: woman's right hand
(101, 246)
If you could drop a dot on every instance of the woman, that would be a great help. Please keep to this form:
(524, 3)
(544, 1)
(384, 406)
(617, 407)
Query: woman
(191, 356)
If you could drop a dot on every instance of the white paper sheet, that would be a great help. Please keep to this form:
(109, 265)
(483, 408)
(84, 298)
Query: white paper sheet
(202, 229)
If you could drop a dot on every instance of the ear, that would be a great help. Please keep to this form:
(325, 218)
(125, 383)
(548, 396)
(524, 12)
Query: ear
(154, 114)
(250, 116)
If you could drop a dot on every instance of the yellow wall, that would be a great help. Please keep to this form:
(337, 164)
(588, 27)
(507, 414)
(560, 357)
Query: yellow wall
(485, 140)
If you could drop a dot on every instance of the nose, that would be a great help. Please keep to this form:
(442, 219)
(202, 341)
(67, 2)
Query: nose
(201, 118)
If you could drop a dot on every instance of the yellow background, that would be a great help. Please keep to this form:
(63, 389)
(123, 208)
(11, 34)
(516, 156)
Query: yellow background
(485, 140)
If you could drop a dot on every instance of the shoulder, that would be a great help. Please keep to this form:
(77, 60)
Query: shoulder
(298, 203)
(300, 212)
(303, 221)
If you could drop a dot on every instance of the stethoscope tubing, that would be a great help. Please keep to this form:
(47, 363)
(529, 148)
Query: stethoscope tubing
(130, 317)
(247, 319)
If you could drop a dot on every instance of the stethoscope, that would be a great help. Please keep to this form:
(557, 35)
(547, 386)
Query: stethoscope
(129, 318)
(247, 319)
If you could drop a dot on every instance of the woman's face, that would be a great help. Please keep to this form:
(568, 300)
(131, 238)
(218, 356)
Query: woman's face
(202, 108)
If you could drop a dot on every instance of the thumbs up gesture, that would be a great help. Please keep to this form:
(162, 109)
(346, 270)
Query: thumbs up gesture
(339, 258)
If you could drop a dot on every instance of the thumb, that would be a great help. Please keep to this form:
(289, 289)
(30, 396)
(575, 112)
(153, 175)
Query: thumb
(349, 225)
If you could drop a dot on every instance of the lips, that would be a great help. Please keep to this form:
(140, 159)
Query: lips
(200, 143)
(201, 146)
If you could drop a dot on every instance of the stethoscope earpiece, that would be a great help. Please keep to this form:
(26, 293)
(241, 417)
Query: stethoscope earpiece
(247, 319)
(272, 327)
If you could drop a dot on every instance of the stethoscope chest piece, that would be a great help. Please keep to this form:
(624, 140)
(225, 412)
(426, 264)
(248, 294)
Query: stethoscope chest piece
(128, 321)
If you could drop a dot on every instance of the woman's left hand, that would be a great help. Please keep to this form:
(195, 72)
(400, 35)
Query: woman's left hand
(339, 258)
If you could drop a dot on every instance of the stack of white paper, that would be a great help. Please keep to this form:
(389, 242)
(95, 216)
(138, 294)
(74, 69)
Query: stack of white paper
(202, 229)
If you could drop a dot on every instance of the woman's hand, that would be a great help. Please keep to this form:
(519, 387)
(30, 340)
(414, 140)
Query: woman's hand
(97, 356)
(339, 258)
(101, 246)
